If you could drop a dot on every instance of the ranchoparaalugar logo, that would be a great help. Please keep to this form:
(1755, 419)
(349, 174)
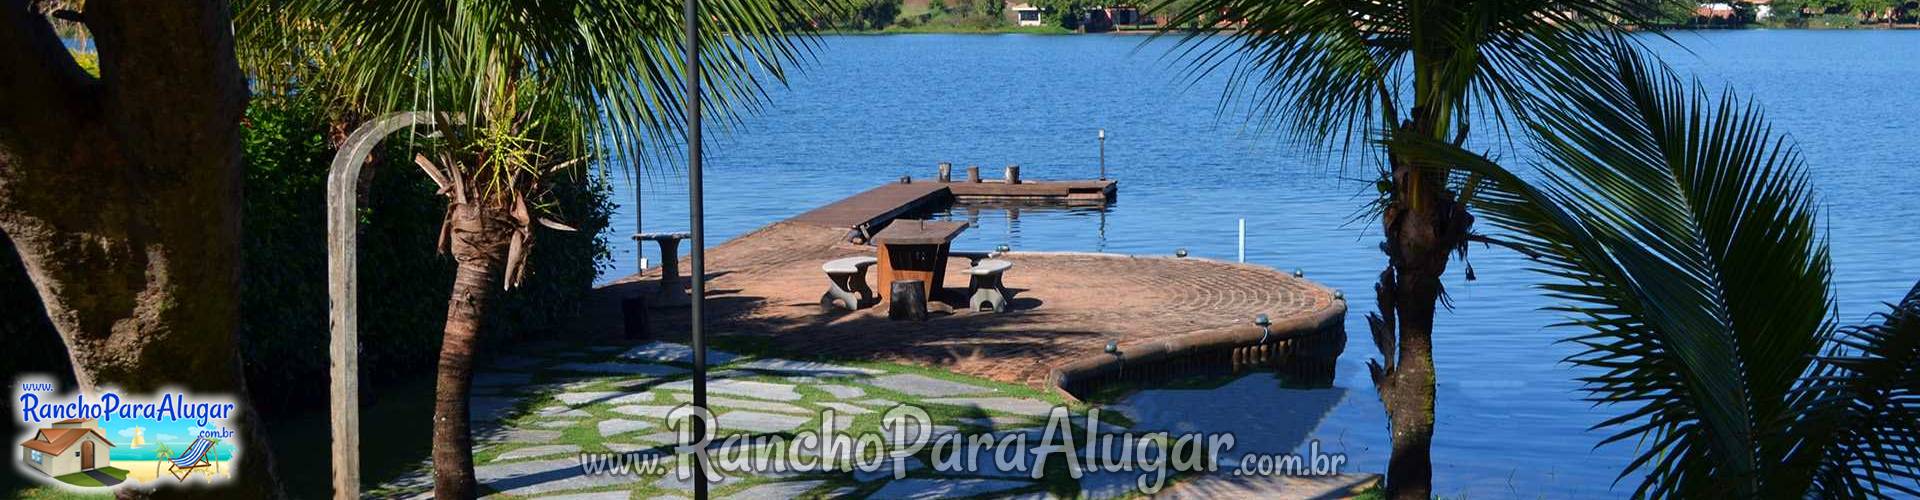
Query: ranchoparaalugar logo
(105, 439)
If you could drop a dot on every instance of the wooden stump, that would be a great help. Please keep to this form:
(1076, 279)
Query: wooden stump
(1013, 174)
(946, 172)
(908, 300)
(973, 174)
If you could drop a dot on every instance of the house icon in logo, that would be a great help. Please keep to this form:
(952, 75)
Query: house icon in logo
(70, 446)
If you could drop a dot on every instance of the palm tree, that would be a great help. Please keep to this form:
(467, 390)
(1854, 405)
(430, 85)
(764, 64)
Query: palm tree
(1682, 234)
(1341, 73)
(542, 85)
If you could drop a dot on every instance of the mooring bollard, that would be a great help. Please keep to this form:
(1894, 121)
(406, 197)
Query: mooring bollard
(908, 301)
(973, 174)
(946, 172)
(1013, 174)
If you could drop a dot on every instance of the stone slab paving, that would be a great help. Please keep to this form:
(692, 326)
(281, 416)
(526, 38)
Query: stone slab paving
(922, 385)
(842, 391)
(649, 411)
(917, 489)
(758, 422)
(534, 463)
(995, 422)
(583, 398)
(846, 409)
(1019, 406)
(808, 368)
(622, 368)
(518, 436)
(602, 495)
(747, 388)
(537, 452)
(725, 403)
(668, 352)
(544, 476)
(562, 412)
(617, 426)
(912, 464)
(777, 491)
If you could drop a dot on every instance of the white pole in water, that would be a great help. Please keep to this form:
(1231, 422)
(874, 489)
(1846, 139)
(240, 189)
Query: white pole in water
(1243, 239)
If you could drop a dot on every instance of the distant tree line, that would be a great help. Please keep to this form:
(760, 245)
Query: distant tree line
(1793, 13)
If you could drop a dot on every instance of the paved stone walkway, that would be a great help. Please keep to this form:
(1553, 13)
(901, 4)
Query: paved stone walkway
(538, 410)
(1065, 306)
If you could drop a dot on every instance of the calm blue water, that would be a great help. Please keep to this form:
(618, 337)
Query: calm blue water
(1510, 420)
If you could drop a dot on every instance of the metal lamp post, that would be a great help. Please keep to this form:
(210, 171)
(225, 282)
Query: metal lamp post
(1103, 154)
(697, 224)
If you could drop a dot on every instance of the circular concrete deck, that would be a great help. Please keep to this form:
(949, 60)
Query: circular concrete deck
(1064, 309)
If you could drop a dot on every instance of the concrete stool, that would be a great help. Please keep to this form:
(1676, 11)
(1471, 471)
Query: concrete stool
(849, 282)
(985, 285)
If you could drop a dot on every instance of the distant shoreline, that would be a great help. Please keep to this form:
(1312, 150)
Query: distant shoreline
(1042, 31)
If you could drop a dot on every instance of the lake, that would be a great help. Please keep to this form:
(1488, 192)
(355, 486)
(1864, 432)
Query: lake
(1511, 422)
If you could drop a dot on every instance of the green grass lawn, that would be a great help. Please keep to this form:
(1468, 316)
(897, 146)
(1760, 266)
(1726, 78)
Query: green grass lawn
(48, 493)
(82, 479)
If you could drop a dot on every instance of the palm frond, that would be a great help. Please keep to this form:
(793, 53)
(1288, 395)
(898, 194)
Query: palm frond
(1860, 407)
(611, 71)
(1680, 232)
(1339, 73)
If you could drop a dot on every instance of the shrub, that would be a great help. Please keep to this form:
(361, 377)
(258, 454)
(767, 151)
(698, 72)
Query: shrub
(403, 282)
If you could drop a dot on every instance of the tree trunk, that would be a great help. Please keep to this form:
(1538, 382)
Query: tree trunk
(1423, 225)
(480, 247)
(122, 196)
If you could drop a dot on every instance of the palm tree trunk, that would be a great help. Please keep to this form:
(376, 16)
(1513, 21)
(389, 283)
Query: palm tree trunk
(1423, 226)
(479, 246)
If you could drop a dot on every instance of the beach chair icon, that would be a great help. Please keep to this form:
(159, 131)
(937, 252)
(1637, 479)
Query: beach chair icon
(195, 458)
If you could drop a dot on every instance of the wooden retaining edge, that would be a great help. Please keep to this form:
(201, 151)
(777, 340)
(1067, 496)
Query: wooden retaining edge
(1305, 346)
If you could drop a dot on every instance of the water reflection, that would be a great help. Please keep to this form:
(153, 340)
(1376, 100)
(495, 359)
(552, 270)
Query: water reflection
(993, 223)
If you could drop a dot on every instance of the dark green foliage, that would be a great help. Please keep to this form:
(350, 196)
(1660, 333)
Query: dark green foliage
(403, 281)
(864, 15)
(1681, 233)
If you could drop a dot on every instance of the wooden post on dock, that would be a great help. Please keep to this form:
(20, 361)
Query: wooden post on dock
(973, 174)
(1013, 174)
(946, 172)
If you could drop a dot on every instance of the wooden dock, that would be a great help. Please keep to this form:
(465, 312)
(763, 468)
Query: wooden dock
(875, 206)
(879, 205)
(1070, 191)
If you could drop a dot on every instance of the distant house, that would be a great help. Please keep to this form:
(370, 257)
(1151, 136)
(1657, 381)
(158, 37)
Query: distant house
(70, 446)
(1714, 11)
(1126, 15)
(1026, 14)
(1762, 9)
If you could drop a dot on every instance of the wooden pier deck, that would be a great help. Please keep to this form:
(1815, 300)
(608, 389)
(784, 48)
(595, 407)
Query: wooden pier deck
(875, 207)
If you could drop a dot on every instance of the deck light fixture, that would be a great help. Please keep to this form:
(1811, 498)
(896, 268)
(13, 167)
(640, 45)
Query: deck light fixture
(1339, 295)
(1113, 347)
(1297, 273)
(1265, 327)
(1103, 154)
(1180, 252)
(1003, 248)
